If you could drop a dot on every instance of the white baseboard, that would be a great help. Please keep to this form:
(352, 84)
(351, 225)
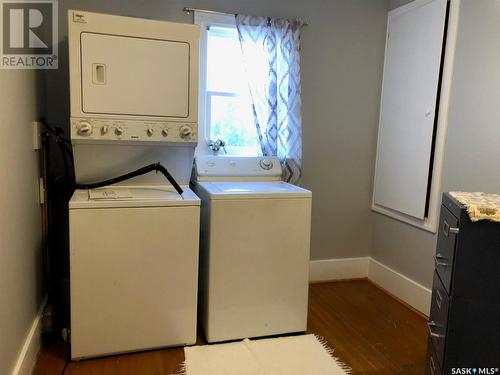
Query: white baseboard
(409, 291)
(338, 269)
(404, 288)
(29, 352)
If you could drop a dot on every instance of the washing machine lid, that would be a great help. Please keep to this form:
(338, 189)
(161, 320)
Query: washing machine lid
(132, 196)
(253, 189)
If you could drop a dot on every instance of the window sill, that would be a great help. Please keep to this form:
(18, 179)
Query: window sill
(429, 224)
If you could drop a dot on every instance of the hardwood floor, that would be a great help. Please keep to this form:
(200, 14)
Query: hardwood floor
(370, 331)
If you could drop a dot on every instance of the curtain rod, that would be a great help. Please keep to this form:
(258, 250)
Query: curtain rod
(189, 10)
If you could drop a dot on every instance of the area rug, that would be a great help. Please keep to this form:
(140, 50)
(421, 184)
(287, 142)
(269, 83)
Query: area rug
(292, 355)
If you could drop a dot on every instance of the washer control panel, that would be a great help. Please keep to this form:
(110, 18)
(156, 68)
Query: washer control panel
(83, 129)
(238, 166)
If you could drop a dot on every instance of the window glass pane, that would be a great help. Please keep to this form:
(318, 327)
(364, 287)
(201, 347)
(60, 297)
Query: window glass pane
(225, 70)
(229, 113)
(231, 120)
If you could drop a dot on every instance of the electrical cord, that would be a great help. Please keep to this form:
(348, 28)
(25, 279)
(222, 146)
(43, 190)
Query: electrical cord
(68, 352)
(68, 154)
(57, 134)
(55, 131)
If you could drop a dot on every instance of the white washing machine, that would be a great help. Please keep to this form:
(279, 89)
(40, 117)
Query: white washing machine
(133, 246)
(254, 254)
(134, 268)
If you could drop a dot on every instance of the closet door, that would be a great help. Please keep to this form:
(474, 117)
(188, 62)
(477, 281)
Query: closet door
(415, 34)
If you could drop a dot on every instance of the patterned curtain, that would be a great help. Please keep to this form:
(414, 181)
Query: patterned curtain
(270, 50)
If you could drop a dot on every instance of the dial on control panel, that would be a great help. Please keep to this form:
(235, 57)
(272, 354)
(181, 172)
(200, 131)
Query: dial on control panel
(266, 164)
(84, 128)
(185, 131)
(118, 130)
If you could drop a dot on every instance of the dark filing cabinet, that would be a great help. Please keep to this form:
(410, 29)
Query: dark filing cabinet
(464, 322)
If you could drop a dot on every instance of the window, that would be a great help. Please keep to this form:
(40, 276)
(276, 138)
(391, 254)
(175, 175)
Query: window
(225, 105)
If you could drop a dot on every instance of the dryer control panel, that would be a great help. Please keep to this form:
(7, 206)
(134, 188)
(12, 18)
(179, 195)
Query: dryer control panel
(102, 130)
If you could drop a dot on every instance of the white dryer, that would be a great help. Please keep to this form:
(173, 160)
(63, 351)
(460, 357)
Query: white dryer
(254, 255)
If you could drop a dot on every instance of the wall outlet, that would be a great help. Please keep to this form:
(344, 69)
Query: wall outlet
(37, 135)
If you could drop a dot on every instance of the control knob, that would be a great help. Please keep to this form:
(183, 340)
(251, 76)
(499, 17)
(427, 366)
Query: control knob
(185, 131)
(164, 132)
(118, 130)
(149, 131)
(84, 128)
(266, 164)
(104, 129)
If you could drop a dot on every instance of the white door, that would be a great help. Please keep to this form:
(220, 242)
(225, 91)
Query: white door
(408, 106)
(134, 76)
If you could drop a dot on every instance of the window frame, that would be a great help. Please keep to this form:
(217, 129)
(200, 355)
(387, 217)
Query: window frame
(205, 21)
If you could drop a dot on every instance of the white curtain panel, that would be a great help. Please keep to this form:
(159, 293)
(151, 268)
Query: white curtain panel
(270, 48)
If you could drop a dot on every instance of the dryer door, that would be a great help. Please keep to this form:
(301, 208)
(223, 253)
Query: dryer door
(113, 79)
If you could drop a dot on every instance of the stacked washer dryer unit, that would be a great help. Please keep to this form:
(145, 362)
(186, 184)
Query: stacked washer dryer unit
(254, 257)
(133, 246)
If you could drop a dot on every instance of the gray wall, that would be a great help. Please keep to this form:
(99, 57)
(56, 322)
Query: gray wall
(397, 3)
(20, 219)
(473, 144)
(472, 156)
(342, 57)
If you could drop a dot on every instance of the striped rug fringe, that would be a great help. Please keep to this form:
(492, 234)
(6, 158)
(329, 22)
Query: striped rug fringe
(182, 369)
(342, 365)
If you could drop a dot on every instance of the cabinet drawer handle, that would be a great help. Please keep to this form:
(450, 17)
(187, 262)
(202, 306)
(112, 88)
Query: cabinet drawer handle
(440, 261)
(439, 298)
(435, 335)
(447, 229)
